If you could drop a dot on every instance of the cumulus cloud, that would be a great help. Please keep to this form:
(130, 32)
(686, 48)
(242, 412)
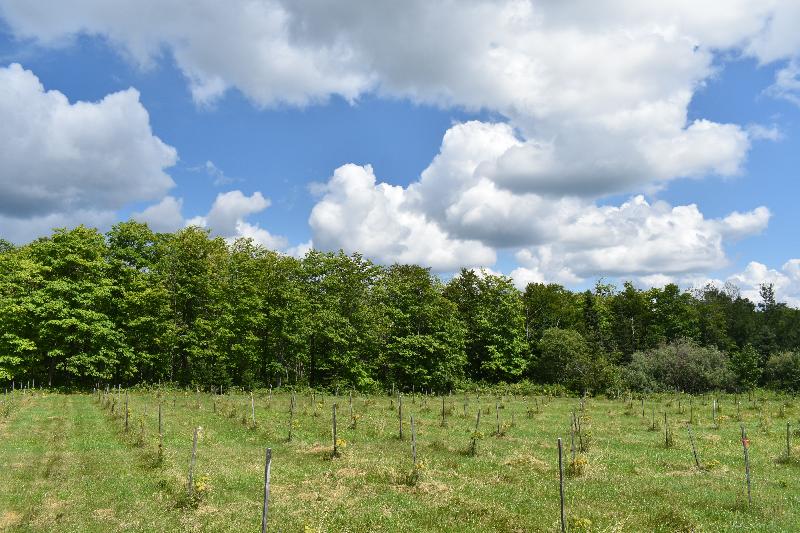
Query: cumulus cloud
(245, 43)
(227, 218)
(232, 207)
(737, 225)
(359, 215)
(593, 97)
(165, 216)
(637, 238)
(59, 158)
(600, 101)
(786, 281)
(456, 216)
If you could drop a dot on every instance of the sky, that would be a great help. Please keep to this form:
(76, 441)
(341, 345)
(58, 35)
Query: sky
(562, 142)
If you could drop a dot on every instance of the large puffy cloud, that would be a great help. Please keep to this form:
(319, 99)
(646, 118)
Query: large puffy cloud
(358, 215)
(59, 159)
(455, 214)
(785, 281)
(637, 238)
(244, 43)
(599, 93)
(493, 53)
(595, 98)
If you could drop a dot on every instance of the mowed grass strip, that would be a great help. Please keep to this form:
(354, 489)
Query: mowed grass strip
(75, 468)
(69, 471)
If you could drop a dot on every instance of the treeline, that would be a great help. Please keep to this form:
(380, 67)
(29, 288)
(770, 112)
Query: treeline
(134, 306)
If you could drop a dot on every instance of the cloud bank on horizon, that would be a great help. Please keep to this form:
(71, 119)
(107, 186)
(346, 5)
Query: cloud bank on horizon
(591, 102)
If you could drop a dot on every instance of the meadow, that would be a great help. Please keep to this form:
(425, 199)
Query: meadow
(69, 463)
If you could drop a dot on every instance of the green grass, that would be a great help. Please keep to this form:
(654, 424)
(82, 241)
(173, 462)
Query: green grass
(68, 465)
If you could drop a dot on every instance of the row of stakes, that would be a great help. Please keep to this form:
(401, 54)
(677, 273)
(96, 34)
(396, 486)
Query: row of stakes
(575, 429)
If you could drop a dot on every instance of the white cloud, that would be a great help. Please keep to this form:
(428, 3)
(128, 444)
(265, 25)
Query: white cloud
(59, 158)
(220, 178)
(598, 92)
(737, 225)
(231, 207)
(165, 216)
(599, 95)
(595, 96)
(761, 132)
(456, 192)
(638, 238)
(227, 218)
(455, 216)
(786, 281)
(656, 280)
(358, 215)
(244, 43)
(300, 250)
(787, 83)
(259, 235)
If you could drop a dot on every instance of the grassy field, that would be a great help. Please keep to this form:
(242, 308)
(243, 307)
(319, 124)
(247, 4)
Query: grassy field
(68, 464)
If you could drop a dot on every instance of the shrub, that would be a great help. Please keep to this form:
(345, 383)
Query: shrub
(783, 371)
(682, 365)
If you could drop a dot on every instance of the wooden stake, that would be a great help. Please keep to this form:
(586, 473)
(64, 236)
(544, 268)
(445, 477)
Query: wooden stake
(335, 444)
(160, 433)
(291, 416)
(714, 411)
(400, 414)
(253, 408)
(413, 442)
(746, 447)
(126, 411)
(443, 423)
(561, 486)
(572, 436)
(265, 510)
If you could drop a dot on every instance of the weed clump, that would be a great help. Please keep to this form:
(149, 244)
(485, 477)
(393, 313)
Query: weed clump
(579, 524)
(578, 466)
(414, 476)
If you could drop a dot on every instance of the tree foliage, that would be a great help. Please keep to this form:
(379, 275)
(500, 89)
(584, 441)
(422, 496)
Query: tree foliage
(682, 365)
(134, 306)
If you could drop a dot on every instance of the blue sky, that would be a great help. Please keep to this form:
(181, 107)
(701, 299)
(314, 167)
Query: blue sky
(554, 164)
